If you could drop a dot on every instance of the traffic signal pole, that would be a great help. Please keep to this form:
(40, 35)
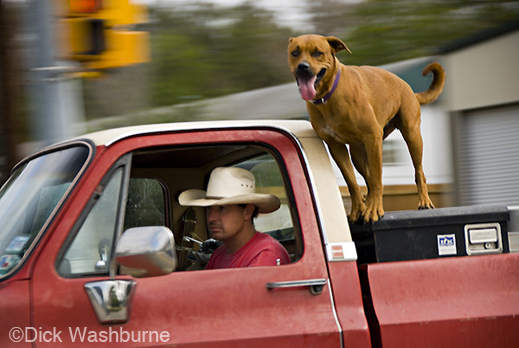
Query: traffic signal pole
(8, 77)
(89, 36)
(56, 99)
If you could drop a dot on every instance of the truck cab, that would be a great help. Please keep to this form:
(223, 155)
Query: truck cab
(95, 249)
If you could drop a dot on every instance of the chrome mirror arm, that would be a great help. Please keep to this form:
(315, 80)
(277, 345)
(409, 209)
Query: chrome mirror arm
(111, 299)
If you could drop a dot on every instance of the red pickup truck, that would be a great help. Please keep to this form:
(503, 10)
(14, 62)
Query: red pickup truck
(96, 250)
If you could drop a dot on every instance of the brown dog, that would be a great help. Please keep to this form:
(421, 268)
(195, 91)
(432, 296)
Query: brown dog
(360, 106)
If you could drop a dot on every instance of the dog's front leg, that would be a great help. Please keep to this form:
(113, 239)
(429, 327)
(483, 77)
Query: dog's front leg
(341, 156)
(374, 206)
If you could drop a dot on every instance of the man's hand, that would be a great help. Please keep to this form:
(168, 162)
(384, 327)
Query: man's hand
(209, 246)
(203, 255)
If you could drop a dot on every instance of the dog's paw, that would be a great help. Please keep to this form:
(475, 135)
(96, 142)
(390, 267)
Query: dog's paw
(372, 217)
(426, 204)
(373, 213)
(357, 210)
(355, 216)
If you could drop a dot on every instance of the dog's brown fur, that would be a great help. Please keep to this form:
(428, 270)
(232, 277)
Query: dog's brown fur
(367, 105)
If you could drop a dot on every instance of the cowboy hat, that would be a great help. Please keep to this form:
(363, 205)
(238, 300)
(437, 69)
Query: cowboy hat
(230, 185)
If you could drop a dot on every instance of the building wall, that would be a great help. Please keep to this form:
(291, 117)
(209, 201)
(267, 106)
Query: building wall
(482, 98)
(484, 74)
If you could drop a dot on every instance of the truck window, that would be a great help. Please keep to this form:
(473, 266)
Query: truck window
(157, 176)
(270, 180)
(146, 204)
(31, 197)
(90, 251)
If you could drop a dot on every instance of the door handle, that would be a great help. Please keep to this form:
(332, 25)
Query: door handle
(315, 285)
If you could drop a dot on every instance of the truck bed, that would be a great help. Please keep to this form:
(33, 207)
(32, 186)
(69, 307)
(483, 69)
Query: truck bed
(452, 277)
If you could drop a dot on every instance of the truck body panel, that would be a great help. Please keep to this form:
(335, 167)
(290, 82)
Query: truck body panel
(325, 297)
(15, 309)
(457, 301)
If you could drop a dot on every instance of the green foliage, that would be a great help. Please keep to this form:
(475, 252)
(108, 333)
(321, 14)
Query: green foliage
(201, 50)
(379, 31)
(210, 51)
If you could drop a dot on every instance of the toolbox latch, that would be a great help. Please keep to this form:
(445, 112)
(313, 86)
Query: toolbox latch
(483, 238)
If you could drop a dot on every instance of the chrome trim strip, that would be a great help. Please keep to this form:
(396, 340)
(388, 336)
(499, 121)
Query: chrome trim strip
(337, 322)
(296, 283)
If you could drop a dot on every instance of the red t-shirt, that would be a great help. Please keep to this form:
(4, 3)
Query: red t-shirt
(261, 250)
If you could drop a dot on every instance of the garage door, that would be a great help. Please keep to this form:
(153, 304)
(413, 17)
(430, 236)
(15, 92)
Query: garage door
(488, 161)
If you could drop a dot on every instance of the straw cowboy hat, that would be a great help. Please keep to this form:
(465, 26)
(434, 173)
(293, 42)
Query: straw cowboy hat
(230, 185)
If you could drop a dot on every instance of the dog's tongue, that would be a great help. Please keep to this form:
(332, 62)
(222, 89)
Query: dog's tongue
(307, 89)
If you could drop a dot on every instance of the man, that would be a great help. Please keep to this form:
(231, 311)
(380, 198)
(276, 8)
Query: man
(231, 205)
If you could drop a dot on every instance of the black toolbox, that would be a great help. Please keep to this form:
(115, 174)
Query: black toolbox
(426, 234)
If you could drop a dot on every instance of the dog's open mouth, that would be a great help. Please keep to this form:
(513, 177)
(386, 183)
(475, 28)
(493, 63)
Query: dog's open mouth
(308, 85)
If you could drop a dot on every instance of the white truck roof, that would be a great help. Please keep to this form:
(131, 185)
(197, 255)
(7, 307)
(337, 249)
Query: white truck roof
(300, 128)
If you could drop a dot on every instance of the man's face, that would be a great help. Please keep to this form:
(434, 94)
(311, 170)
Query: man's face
(227, 221)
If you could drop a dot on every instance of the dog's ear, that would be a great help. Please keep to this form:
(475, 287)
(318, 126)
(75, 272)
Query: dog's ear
(336, 44)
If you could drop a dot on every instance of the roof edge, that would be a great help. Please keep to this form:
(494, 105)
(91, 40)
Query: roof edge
(480, 37)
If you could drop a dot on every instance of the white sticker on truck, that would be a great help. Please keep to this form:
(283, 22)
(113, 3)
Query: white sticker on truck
(341, 251)
(447, 244)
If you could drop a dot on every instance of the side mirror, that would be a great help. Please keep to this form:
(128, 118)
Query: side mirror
(146, 251)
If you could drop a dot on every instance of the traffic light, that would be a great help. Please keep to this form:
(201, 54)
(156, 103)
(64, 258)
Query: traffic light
(98, 33)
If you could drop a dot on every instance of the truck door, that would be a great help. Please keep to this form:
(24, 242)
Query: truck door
(288, 305)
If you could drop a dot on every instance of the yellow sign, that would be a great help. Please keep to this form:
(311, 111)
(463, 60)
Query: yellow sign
(97, 33)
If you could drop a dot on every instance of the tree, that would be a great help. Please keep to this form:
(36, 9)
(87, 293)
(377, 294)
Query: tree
(201, 50)
(379, 31)
(208, 51)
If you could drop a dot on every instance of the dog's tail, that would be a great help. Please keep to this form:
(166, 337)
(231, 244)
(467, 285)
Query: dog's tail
(436, 86)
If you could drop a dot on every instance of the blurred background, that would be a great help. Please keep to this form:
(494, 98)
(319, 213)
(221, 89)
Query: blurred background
(73, 66)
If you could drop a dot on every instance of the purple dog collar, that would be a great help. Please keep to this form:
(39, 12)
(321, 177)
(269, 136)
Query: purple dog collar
(328, 95)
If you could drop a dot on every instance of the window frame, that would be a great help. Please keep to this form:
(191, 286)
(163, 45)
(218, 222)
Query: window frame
(125, 163)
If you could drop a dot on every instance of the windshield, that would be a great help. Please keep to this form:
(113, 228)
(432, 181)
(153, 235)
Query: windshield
(29, 199)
